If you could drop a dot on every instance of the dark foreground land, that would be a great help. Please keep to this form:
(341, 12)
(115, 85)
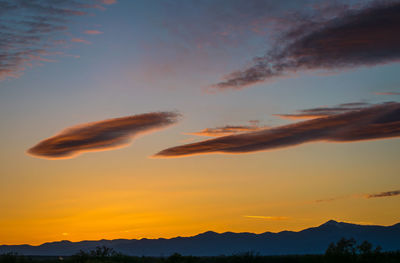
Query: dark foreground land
(387, 257)
(345, 250)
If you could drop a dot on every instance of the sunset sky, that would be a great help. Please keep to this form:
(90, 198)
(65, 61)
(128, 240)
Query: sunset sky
(148, 119)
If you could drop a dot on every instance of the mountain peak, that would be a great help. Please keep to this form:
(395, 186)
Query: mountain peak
(208, 233)
(396, 225)
(211, 243)
(330, 223)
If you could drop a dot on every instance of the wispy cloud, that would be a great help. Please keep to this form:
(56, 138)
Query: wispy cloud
(32, 29)
(271, 218)
(375, 122)
(108, 2)
(390, 93)
(93, 32)
(366, 196)
(228, 130)
(80, 40)
(352, 38)
(101, 135)
(384, 194)
(332, 199)
(222, 23)
(324, 111)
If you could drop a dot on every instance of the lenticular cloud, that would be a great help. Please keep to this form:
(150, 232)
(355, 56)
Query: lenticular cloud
(101, 135)
(365, 37)
(375, 122)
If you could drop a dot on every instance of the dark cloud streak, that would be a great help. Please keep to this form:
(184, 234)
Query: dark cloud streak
(365, 196)
(384, 194)
(324, 111)
(228, 130)
(363, 37)
(375, 122)
(101, 135)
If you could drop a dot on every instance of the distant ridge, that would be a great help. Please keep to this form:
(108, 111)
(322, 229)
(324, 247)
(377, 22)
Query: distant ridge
(312, 240)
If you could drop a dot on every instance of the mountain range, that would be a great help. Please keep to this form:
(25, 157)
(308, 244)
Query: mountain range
(313, 240)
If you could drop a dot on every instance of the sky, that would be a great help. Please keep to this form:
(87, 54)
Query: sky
(148, 119)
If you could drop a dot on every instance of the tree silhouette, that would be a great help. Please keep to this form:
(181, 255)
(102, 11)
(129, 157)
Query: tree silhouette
(99, 254)
(343, 248)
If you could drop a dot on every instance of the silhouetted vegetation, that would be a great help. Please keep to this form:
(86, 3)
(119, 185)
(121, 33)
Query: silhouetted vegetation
(346, 250)
(343, 251)
(12, 258)
(100, 254)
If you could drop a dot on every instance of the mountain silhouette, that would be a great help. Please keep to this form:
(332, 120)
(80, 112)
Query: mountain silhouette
(313, 240)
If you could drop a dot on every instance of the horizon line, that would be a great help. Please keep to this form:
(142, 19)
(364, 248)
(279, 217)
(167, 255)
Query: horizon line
(208, 231)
